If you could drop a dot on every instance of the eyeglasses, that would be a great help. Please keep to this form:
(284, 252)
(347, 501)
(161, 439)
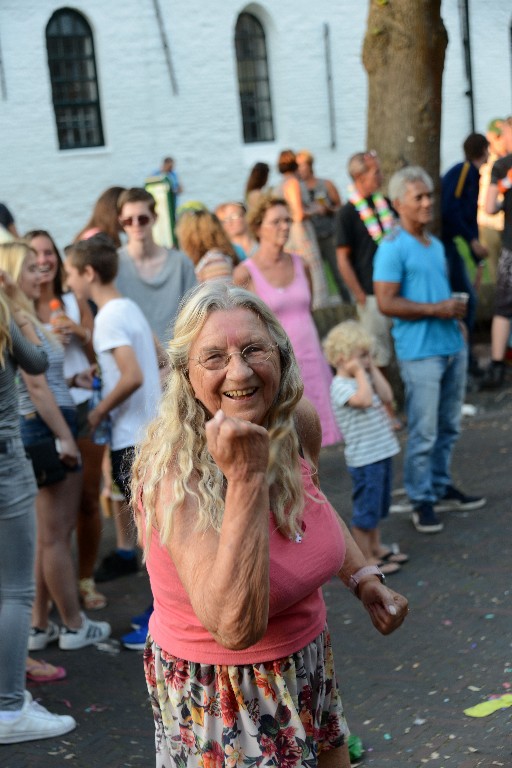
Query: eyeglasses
(277, 222)
(233, 217)
(130, 220)
(253, 354)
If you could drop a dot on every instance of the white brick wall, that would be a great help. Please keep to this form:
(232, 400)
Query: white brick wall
(201, 126)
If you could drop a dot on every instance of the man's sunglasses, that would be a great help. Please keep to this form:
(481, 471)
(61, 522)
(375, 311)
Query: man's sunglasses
(130, 220)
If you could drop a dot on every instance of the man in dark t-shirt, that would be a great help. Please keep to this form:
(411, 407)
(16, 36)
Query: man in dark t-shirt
(499, 197)
(360, 226)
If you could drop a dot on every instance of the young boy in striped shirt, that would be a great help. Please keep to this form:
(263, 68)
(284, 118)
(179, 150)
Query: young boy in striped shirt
(359, 393)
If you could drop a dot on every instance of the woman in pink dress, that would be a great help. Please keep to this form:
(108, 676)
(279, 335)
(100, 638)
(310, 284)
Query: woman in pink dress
(283, 281)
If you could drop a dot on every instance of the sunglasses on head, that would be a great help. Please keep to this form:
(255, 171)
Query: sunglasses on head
(142, 220)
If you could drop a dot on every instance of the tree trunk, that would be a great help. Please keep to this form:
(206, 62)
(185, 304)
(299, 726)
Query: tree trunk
(403, 54)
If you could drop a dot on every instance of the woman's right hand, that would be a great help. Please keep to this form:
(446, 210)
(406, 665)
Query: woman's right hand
(68, 451)
(239, 448)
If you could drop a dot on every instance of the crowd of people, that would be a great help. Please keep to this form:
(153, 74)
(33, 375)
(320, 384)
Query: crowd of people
(217, 395)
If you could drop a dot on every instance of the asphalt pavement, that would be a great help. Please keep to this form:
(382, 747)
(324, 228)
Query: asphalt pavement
(404, 694)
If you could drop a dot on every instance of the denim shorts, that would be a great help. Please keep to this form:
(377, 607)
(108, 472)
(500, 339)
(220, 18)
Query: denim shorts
(371, 493)
(34, 429)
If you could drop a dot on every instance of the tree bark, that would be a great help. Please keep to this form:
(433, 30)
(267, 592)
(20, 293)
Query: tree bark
(403, 54)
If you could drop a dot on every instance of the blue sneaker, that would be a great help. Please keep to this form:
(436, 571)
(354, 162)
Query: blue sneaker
(136, 640)
(143, 619)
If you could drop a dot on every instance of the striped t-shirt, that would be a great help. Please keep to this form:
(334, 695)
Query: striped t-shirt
(367, 432)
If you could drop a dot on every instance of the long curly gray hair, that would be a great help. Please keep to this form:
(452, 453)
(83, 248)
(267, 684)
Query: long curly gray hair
(176, 440)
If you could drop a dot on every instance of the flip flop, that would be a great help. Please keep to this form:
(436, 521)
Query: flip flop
(388, 568)
(43, 672)
(392, 556)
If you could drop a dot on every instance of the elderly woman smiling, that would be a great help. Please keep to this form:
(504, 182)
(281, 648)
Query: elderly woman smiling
(239, 540)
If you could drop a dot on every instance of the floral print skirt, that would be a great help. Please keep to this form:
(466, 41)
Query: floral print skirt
(279, 713)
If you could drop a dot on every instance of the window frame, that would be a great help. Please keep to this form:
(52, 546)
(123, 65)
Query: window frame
(253, 80)
(72, 68)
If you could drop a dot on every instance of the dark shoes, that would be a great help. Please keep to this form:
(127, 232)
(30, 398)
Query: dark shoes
(494, 376)
(114, 566)
(425, 519)
(454, 500)
(424, 516)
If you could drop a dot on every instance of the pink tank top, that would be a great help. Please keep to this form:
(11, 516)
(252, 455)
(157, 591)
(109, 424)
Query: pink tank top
(297, 610)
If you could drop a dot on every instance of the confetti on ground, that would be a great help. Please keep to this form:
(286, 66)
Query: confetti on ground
(486, 708)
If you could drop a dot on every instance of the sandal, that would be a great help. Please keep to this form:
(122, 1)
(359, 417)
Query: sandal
(393, 556)
(92, 600)
(43, 672)
(388, 568)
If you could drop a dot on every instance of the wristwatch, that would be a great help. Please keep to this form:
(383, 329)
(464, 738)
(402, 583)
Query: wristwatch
(367, 570)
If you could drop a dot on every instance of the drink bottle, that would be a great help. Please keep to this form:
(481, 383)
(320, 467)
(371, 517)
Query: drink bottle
(102, 433)
(56, 312)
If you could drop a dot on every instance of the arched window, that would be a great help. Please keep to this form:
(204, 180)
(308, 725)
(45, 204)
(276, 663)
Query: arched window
(253, 82)
(75, 93)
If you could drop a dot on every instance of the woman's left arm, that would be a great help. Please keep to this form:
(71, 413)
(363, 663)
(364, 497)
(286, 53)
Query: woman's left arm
(387, 608)
(47, 408)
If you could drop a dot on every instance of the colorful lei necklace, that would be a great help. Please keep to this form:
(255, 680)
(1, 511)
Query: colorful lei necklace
(368, 217)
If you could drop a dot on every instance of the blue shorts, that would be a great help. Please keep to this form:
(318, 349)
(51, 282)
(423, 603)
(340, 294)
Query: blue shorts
(371, 493)
(34, 429)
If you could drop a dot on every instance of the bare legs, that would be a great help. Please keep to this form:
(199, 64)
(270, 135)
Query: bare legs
(88, 529)
(334, 758)
(368, 542)
(500, 331)
(57, 509)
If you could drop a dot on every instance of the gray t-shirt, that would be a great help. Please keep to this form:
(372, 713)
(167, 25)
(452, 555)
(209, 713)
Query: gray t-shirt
(54, 376)
(159, 298)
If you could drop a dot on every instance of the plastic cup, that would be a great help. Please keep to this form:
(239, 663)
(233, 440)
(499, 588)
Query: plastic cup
(461, 296)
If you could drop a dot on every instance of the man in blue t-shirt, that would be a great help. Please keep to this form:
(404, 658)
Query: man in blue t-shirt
(411, 286)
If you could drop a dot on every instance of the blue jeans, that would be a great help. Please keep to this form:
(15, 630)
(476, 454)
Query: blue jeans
(434, 394)
(17, 552)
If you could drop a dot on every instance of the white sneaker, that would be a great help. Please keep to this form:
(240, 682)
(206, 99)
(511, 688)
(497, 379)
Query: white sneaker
(38, 639)
(90, 632)
(401, 506)
(34, 722)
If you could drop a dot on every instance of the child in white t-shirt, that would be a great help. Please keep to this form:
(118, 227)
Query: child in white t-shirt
(359, 393)
(127, 357)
